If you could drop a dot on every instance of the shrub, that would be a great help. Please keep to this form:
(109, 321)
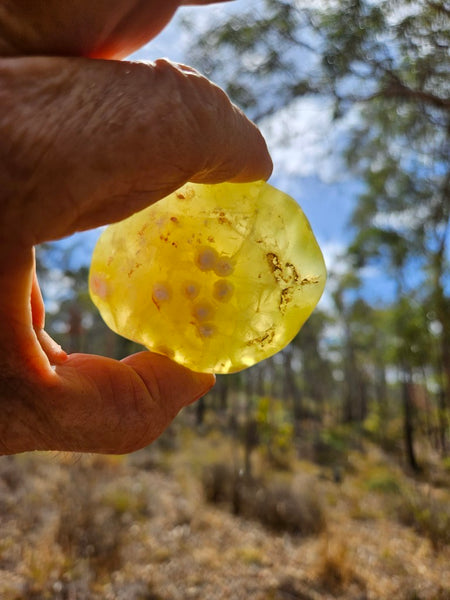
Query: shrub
(285, 507)
(281, 506)
(428, 515)
(218, 480)
(383, 481)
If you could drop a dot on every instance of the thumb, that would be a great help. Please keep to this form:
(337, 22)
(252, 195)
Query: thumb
(96, 404)
(82, 403)
(102, 405)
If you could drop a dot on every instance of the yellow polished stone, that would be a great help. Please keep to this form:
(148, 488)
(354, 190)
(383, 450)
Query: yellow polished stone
(217, 277)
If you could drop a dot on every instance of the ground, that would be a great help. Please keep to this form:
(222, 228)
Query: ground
(140, 528)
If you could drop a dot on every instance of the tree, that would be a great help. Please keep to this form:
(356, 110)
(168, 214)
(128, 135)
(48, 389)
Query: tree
(352, 50)
(387, 64)
(316, 367)
(72, 319)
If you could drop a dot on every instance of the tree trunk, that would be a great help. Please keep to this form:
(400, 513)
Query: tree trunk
(353, 387)
(408, 422)
(221, 390)
(200, 408)
(443, 422)
(75, 328)
(290, 389)
(442, 307)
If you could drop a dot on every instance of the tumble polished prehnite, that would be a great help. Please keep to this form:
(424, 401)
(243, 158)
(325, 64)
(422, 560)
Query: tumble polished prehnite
(216, 277)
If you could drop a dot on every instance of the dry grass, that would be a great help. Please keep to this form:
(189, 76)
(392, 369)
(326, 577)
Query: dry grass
(138, 528)
(282, 506)
(429, 515)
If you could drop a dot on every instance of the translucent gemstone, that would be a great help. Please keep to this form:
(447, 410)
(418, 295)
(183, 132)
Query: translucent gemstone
(217, 277)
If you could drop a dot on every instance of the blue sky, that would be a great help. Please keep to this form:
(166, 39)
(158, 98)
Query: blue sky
(303, 166)
(306, 165)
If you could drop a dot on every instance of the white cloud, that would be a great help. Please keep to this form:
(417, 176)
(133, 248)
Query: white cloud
(174, 41)
(56, 287)
(305, 141)
(334, 254)
(336, 263)
(402, 220)
(302, 137)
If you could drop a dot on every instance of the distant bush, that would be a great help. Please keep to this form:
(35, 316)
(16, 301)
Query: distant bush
(275, 431)
(284, 507)
(383, 481)
(219, 480)
(331, 446)
(428, 515)
(280, 506)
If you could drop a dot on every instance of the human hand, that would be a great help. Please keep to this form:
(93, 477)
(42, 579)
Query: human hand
(84, 142)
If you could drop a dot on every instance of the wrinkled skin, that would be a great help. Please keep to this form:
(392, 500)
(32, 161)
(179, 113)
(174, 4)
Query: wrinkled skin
(85, 140)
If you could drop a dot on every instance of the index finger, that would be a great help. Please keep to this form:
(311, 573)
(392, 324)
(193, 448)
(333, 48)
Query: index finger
(86, 142)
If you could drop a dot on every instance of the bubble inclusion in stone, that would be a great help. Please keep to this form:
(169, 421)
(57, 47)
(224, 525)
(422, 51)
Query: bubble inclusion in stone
(217, 277)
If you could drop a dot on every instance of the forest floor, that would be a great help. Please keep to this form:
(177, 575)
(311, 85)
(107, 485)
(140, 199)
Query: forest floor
(140, 528)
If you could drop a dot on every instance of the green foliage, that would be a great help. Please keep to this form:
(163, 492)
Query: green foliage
(263, 48)
(332, 445)
(336, 438)
(383, 425)
(383, 481)
(274, 426)
(446, 463)
(388, 63)
(317, 377)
